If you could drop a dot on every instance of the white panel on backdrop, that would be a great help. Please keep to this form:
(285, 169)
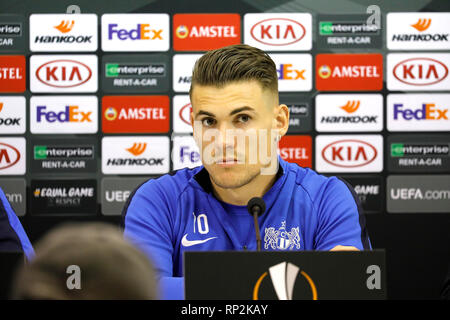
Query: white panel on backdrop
(135, 155)
(13, 119)
(181, 114)
(418, 31)
(294, 72)
(418, 71)
(349, 112)
(12, 156)
(183, 64)
(185, 153)
(418, 112)
(278, 31)
(63, 73)
(349, 153)
(63, 32)
(135, 32)
(63, 114)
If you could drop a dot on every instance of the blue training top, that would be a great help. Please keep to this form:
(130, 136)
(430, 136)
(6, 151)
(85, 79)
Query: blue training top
(12, 234)
(178, 212)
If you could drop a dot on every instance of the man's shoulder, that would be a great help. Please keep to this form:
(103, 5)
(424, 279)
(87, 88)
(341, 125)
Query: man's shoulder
(312, 182)
(164, 190)
(170, 184)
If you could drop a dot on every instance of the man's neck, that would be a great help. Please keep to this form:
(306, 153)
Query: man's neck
(240, 196)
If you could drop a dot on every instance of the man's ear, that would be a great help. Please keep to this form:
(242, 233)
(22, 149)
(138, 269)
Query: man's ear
(282, 119)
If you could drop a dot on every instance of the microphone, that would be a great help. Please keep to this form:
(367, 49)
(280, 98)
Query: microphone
(256, 207)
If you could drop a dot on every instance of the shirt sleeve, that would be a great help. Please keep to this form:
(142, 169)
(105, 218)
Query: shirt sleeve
(148, 225)
(341, 220)
(12, 234)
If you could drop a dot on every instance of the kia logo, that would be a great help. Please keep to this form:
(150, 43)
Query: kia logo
(278, 31)
(64, 73)
(9, 156)
(349, 153)
(185, 113)
(420, 71)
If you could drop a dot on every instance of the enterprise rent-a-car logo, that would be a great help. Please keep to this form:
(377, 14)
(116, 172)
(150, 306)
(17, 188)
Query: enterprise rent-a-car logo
(63, 155)
(418, 153)
(137, 74)
(347, 31)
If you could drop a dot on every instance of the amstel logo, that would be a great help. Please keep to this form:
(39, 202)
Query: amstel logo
(324, 72)
(285, 276)
(182, 32)
(111, 114)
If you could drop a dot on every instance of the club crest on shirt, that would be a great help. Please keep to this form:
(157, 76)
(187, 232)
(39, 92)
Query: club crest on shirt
(282, 239)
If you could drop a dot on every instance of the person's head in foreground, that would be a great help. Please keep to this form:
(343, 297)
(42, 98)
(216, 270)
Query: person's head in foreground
(86, 261)
(237, 118)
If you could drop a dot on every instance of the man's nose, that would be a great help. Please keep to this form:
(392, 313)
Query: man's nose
(225, 140)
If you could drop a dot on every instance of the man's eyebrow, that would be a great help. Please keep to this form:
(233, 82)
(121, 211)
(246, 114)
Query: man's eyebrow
(201, 112)
(246, 108)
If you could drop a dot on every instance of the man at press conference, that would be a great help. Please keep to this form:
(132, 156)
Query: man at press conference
(238, 123)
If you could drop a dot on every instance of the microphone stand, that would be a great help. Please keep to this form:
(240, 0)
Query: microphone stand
(255, 220)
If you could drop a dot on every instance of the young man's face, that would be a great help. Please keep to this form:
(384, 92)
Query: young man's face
(236, 127)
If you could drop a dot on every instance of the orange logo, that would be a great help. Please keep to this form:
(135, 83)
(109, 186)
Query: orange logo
(12, 74)
(284, 276)
(324, 72)
(202, 32)
(351, 106)
(65, 26)
(135, 114)
(137, 148)
(349, 72)
(422, 24)
(1, 106)
(296, 149)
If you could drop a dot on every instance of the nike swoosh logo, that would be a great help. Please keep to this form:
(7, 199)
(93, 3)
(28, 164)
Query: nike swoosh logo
(186, 243)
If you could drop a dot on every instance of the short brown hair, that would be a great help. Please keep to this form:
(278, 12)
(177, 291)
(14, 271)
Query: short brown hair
(235, 63)
(111, 268)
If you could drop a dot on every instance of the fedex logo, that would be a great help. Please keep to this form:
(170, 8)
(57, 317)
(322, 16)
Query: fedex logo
(188, 155)
(70, 114)
(135, 32)
(405, 114)
(294, 71)
(142, 32)
(429, 111)
(54, 115)
(287, 72)
(185, 153)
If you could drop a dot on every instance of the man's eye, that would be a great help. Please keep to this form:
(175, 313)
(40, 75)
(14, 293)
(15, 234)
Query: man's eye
(208, 122)
(243, 118)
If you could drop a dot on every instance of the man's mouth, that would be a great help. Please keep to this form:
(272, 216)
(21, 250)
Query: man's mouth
(227, 162)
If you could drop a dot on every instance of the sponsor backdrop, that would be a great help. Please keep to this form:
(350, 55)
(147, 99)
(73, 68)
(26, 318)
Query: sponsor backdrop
(94, 104)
